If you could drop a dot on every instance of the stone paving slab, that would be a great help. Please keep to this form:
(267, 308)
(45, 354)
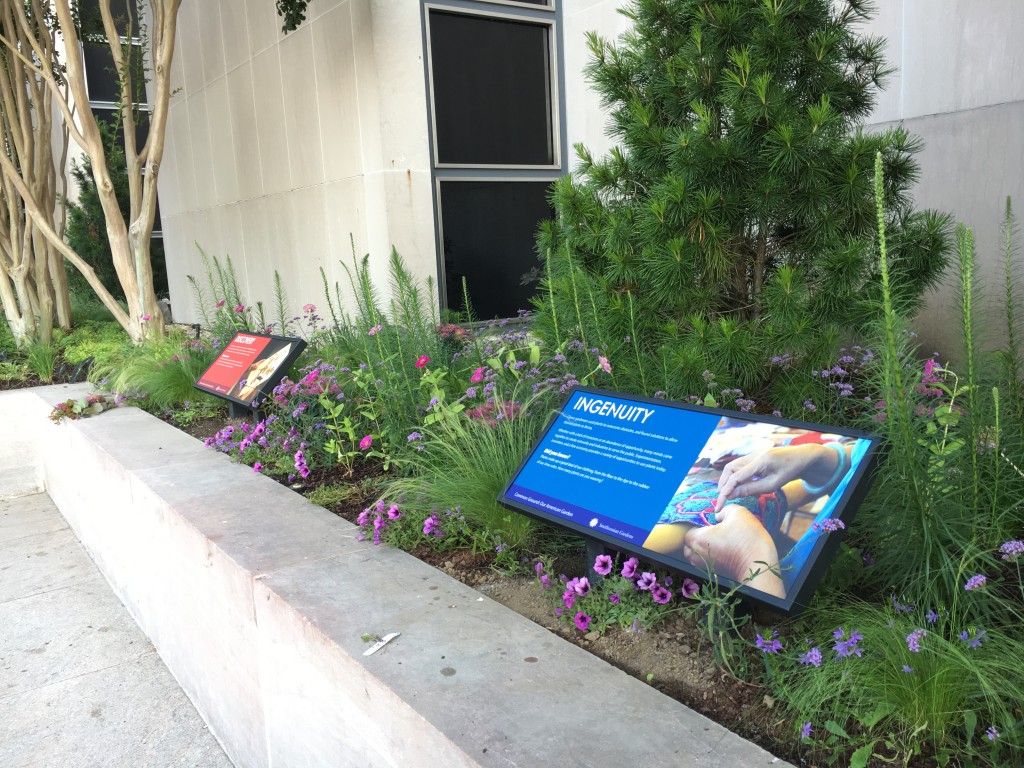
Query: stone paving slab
(131, 715)
(31, 565)
(52, 636)
(80, 684)
(27, 516)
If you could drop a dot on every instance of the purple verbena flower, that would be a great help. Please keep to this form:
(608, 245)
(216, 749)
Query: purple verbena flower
(849, 646)
(812, 657)
(1011, 550)
(974, 638)
(914, 640)
(769, 644)
(831, 525)
(975, 582)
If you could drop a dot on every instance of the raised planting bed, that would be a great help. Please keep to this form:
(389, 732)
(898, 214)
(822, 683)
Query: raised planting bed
(260, 603)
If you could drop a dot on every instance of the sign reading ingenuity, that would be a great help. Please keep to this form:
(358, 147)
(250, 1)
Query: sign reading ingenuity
(687, 487)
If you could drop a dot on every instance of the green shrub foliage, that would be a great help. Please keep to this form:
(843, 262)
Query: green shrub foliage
(87, 226)
(734, 220)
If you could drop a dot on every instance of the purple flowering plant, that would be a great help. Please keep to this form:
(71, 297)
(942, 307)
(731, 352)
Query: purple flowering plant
(615, 594)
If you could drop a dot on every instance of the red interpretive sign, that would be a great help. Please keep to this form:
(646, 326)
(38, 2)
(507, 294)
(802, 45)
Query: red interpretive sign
(250, 366)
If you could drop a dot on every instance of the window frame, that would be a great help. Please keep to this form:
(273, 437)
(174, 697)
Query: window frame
(554, 94)
(549, 15)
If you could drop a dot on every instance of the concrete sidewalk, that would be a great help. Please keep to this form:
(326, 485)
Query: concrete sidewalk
(80, 684)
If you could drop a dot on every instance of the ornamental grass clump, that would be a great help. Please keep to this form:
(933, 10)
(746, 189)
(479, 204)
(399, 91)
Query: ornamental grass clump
(898, 680)
(937, 601)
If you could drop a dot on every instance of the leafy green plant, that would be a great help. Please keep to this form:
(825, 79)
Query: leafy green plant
(902, 679)
(42, 359)
(933, 672)
(734, 220)
(95, 339)
(469, 462)
(345, 444)
(330, 495)
(14, 370)
(193, 411)
(615, 594)
(159, 372)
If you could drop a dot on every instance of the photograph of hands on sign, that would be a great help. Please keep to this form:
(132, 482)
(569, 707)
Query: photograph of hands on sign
(261, 370)
(755, 500)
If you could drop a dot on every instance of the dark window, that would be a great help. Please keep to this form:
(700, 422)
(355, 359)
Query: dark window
(489, 239)
(491, 82)
(112, 119)
(102, 77)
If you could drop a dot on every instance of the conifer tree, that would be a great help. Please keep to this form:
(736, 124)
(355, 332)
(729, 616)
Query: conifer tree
(734, 220)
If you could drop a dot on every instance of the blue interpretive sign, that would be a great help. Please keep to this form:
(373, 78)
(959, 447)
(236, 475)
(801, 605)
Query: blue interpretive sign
(752, 500)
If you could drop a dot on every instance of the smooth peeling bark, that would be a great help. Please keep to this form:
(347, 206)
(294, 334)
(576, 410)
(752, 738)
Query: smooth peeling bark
(35, 68)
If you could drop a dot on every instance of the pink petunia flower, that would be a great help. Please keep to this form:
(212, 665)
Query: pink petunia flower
(603, 565)
(689, 588)
(422, 361)
(582, 621)
(660, 595)
(629, 568)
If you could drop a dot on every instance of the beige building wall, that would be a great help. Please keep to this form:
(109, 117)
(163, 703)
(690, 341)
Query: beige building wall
(586, 119)
(280, 148)
(960, 87)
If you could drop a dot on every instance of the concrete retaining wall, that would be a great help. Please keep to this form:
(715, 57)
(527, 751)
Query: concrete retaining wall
(257, 600)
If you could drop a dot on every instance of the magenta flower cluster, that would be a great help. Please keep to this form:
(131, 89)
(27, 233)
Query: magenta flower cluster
(378, 517)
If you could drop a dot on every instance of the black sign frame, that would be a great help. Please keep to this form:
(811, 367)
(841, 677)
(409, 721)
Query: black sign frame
(267, 385)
